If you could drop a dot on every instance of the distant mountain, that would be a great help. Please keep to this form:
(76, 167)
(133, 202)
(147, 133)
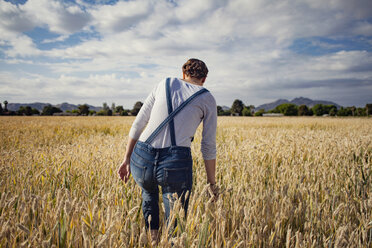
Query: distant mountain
(39, 106)
(272, 105)
(224, 108)
(311, 103)
(67, 106)
(298, 101)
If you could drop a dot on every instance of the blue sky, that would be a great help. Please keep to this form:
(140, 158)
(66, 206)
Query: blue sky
(81, 51)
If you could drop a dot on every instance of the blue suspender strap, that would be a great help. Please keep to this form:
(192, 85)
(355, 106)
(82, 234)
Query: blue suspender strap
(170, 110)
(173, 114)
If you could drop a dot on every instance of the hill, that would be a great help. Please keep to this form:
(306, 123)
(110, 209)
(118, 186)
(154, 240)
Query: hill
(39, 106)
(298, 101)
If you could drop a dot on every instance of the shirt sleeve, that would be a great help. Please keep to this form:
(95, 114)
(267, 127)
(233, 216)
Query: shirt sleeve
(143, 116)
(208, 144)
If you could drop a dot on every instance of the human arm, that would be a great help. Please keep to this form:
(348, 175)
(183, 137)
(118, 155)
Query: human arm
(142, 117)
(208, 145)
(124, 169)
(210, 168)
(134, 134)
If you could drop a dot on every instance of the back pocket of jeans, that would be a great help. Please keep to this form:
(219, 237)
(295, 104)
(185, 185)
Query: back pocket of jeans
(177, 178)
(138, 172)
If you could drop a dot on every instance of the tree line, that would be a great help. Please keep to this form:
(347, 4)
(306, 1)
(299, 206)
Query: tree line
(81, 110)
(238, 108)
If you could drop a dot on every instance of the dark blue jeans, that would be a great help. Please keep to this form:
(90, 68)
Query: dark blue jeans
(170, 168)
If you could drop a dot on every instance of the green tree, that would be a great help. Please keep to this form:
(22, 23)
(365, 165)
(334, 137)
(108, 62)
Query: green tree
(34, 111)
(113, 108)
(330, 110)
(105, 106)
(251, 107)
(227, 112)
(237, 107)
(50, 110)
(259, 112)
(303, 110)
(105, 110)
(21, 111)
(5, 106)
(24, 110)
(136, 108)
(219, 110)
(28, 110)
(361, 112)
(288, 109)
(246, 111)
(119, 109)
(83, 109)
(353, 109)
(344, 111)
(333, 112)
(101, 112)
(318, 109)
(369, 109)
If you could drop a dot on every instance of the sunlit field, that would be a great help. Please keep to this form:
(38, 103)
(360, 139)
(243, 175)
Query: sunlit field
(285, 182)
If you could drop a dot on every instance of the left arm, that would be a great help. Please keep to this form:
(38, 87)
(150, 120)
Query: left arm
(135, 132)
(208, 143)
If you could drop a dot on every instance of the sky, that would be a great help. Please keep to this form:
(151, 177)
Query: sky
(258, 51)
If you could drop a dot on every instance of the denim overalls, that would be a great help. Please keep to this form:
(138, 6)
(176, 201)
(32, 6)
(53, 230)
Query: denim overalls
(169, 167)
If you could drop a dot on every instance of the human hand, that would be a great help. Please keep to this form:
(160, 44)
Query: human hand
(214, 191)
(124, 170)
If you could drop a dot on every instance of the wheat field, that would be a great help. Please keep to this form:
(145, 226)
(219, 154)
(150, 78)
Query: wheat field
(285, 182)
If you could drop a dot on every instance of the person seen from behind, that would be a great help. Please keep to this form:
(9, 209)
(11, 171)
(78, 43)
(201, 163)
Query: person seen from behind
(158, 151)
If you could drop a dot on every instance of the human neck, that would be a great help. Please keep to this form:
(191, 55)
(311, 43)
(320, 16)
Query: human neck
(192, 80)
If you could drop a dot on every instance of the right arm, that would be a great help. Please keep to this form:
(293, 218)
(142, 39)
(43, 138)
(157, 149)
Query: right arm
(210, 168)
(208, 145)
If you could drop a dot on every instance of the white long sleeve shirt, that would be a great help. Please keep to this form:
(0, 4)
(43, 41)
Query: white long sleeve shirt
(155, 110)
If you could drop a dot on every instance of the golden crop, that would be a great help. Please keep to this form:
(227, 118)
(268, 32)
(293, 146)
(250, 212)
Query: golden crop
(294, 182)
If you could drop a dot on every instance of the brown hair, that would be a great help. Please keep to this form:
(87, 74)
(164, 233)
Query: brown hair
(195, 68)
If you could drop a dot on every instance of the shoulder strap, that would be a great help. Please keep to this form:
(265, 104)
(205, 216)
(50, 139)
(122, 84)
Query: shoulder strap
(173, 114)
(170, 110)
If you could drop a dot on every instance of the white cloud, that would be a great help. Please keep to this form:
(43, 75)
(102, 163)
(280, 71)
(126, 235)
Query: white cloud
(95, 89)
(119, 17)
(244, 43)
(14, 19)
(363, 28)
(57, 39)
(61, 18)
(23, 46)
